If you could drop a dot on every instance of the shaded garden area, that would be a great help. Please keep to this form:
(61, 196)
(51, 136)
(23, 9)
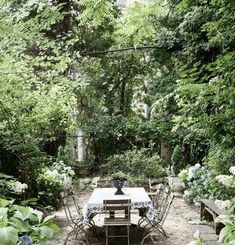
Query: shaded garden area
(88, 88)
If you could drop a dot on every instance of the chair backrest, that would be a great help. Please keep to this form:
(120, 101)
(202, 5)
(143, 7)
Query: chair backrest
(164, 203)
(71, 208)
(112, 207)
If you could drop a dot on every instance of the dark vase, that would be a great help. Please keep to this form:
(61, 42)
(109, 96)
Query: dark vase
(118, 184)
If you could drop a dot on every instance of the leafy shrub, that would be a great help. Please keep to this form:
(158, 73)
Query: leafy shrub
(220, 159)
(51, 181)
(50, 187)
(137, 163)
(196, 180)
(10, 187)
(24, 225)
(200, 183)
(227, 234)
(177, 161)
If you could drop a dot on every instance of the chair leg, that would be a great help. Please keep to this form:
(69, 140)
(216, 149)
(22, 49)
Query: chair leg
(128, 234)
(67, 237)
(142, 241)
(106, 234)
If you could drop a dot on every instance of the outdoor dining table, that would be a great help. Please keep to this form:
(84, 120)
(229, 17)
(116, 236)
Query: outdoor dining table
(138, 196)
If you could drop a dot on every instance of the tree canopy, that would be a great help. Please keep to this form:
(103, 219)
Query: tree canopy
(53, 82)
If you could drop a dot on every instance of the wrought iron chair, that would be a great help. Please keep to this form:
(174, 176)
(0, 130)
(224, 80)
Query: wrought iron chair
(118, 212)
(164, 199)
(74, 217)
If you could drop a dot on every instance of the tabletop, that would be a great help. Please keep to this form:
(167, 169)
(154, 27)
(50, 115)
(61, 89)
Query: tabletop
(138, 196)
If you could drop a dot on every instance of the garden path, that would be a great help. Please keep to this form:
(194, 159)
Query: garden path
(180, 225)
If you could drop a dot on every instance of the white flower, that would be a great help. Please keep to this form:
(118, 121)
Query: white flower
(18, 187)
(222, 204)
(53, 173)
(227, 180)
(222, 218)
(232, 170)
(190, 173)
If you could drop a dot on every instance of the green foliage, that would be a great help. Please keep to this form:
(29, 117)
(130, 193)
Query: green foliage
(177, 160)
(136, 163)
(200, 183)
(10, 187)
(51, 181)
(220, 159)
(18, 223)
(119, 175)
(50, 187)
(196, 180)
(197, 239)
(227, 234)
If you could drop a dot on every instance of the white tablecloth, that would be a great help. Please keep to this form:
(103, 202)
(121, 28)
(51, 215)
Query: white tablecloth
(138, 195)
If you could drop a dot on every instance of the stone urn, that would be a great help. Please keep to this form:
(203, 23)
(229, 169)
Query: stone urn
(118, 184)
(176, 185)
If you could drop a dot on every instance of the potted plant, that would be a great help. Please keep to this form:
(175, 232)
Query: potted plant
(118, 179)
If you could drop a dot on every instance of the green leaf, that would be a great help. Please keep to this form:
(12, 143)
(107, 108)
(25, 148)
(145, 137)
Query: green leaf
(19, 224)
(4, 202)
(48, 219)
(223, 234)
(46, 232)
(32, 201)
(3, 211)
(54, 227)
(36, 214)
(8, 236)
(22, 212)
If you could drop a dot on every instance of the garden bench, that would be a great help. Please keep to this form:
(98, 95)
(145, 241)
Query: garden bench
(209, 211)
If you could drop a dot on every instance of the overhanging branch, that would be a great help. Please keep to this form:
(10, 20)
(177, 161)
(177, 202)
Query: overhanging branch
(90, 53)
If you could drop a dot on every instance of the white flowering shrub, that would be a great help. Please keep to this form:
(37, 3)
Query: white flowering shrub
(200, 183)
(17, 186)
(223, 204)
(227, 180)
(10, 187)
(195, 180)
(51, 181)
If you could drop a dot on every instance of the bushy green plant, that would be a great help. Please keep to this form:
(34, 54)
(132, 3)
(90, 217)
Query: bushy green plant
(24, 225)
(137, 162)
(227, 234)
(10, 187)
(196, 180)
(119, 175)
(50, 187)
(200, 183)
(51, 181)
(177, 161)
